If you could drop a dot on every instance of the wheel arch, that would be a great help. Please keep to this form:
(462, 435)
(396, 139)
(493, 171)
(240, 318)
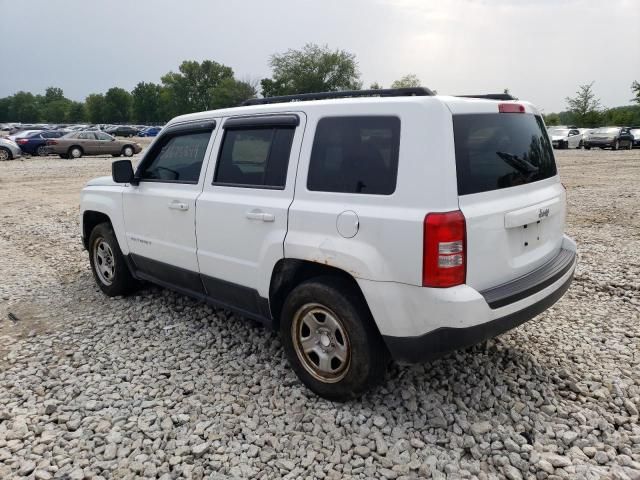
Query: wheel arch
(75, 145)
(288, 273)
(90, 220)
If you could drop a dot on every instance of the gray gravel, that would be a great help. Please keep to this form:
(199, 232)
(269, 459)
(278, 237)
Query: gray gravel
(159, 386)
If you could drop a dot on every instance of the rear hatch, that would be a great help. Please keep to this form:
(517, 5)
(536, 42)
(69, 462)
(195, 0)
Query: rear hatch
(508, 191)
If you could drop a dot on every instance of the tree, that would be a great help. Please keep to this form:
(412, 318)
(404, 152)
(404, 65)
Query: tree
(24, 107)
(76, 113)
(407, 81)
(585, 106)
(146, 103)
(52, 94)
(117, 106)
(551, 119)
(313, 69)
(95, 107)
(191, 89)
(375, 86)
(231, 93)
(635, 88)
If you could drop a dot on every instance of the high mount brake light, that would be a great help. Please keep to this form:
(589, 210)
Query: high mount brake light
(444, 261)
(510, 108)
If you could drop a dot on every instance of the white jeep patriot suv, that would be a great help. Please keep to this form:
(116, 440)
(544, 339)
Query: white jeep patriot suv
(363, 225)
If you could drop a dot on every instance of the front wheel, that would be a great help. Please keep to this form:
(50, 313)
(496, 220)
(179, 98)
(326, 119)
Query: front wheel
(580, 145)
(108, 265)
(330, 339)
(587, 147)
(630, 146)
(616, 145)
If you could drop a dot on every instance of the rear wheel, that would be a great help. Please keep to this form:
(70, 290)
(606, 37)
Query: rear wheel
(330, 339)
(42, 151)
(616, 145)
(75, 152)
(127, 151)
(580, 145)
(108, 265)
(587, 147)
(630, 147)
(5, 154)
(63, 155)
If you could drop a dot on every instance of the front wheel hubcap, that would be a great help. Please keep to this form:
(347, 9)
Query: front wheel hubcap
(104, 261)
(321, 343)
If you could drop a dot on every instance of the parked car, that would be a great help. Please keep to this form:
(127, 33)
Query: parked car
(610, 137)
(635, 132)
(22, 134)
(149, 132)
(9, 150)
(565, 138)
(345, 223)
(123, 131)
(77, 144)
(36, 143)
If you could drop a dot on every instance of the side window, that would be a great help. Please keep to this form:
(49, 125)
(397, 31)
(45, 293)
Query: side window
(254, 157)
(355, 155)
(103, 136)
(87, 136)
(178, 158)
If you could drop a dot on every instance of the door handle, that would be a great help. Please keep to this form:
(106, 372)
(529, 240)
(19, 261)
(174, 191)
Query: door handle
(175, 205)
(259, 215)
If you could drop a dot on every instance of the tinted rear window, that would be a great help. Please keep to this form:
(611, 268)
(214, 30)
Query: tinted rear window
(500, 150)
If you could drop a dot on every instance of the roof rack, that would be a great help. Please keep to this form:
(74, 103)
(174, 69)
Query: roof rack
(383, 92)
(491, 96)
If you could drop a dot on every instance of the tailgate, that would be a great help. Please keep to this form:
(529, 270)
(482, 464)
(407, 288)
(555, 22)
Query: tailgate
(509, 193)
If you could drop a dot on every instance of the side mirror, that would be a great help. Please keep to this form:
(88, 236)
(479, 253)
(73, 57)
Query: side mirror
(122, 171)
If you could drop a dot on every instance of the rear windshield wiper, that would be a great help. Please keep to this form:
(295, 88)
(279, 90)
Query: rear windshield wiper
(521, 165)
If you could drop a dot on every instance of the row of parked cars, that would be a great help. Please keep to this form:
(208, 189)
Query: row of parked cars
(67, 141)
(614, 138)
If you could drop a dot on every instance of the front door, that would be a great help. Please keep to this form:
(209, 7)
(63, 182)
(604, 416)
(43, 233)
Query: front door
(160, 211)
(242, 213)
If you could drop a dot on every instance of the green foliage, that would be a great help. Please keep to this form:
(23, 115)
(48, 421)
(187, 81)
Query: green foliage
(192, 89)
(117, 106)
(313, 69)
(95, 105)
(407, 81)
(147, 103)
(635, 88)
(375, 86)
(585, 106)
(231, 93)
(76, 113)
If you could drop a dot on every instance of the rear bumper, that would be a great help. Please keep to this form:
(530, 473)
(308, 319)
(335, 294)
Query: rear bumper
(428, 323)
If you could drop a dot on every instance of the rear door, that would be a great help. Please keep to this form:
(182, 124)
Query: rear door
(509, 193)
(242, 213)
(89, 143)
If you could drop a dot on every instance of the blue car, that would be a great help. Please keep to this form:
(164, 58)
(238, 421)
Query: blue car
(36, 143)
(149, 132)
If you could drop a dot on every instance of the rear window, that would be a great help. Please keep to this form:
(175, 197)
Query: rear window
(500, 150)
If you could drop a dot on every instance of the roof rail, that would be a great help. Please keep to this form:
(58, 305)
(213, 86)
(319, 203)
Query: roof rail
(383, 92)
(491, 96)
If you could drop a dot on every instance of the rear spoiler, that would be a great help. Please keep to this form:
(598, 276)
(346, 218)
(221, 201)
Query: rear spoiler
(490, 96)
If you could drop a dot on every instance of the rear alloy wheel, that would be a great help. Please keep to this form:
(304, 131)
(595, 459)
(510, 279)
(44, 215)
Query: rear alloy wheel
(42, 151)
(4, 154)
(127, 151)
(75, 152)
(330, 339)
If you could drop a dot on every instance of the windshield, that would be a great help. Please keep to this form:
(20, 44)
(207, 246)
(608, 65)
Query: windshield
(495, 151)
(560, 132)
(606, 130)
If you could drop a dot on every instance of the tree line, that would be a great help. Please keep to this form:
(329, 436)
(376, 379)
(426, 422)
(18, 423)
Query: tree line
(585, 110)
(207, 85)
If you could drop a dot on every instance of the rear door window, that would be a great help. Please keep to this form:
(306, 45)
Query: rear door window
(500, 150)
(355, 155)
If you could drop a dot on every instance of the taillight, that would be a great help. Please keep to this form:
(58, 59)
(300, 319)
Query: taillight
(22, 141)
(51, 142)
(510, 108)
(444, 262)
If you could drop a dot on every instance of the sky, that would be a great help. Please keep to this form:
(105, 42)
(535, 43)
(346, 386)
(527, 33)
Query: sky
(540, 49)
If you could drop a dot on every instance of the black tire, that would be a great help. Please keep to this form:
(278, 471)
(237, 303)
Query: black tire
(127, 151)
(75, 152)
(5, 154)
(42, 151)
(630, 146)
(580, 145)
(587, 147)
(115, 154)
(64, 155)
(120, 282)
(367, 357)
(615, 145)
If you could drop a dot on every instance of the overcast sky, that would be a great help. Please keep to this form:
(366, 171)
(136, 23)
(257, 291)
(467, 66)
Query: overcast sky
(540, 49)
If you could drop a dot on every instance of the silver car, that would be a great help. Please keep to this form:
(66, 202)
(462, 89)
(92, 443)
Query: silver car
(9, 150)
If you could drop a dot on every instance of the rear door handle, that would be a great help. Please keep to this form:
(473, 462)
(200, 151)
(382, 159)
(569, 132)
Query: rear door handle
(260, 215)
(175, 205)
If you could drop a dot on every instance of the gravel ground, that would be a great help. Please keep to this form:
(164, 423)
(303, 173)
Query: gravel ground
(157, 385)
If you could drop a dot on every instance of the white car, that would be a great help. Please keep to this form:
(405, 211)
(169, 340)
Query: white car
(361, 225)
(9, 150)
(565, 137)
